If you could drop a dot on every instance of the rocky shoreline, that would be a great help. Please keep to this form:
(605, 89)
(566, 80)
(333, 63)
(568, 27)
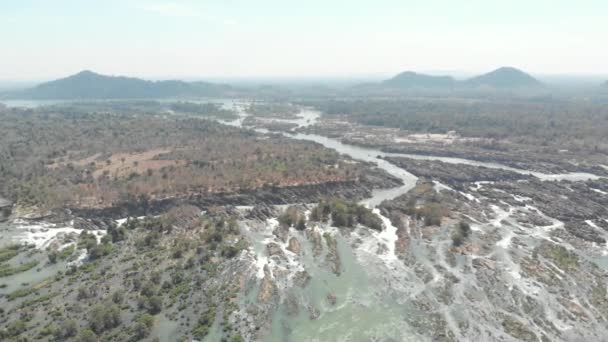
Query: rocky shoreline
(545, 163)
(533, 252)
(95, 218)
(525, 157)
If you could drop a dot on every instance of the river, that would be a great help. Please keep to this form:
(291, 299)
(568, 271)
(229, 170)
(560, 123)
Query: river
(375, 289)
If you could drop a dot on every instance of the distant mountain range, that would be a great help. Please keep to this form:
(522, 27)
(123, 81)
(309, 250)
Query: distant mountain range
(411, 79)
(502, 78)
(90, 85)
(505, 77)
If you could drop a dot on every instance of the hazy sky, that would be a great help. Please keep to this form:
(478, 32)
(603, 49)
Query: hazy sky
(43, 39)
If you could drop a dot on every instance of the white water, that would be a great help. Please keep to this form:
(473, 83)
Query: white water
(43, 234)
(381, 284)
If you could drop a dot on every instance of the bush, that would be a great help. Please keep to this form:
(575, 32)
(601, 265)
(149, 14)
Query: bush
(9, 252)
(290, 217)
(205, 322)
(237, 338)
(65, 330)
(301, 225)
(142, 327)
(87, 336)
(102, 318)
(461, 233)
(15, 328)
(7, 270)
(345, 214)
(154, 305)
(52, 257)
(118, 296)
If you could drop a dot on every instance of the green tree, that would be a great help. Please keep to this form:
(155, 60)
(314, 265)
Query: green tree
(87, 336)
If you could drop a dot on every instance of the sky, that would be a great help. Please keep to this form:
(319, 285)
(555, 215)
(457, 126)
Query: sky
(188, 39)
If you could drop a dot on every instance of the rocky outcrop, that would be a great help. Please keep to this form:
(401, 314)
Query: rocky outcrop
(261, 212)
(331, 299)
(454, 174)
(314, 237)
(301, 278)
(281, 232)
(530, 160)
(5, 209)
(268, 288)
(332, 258)
(294, 246)
(273, 249)
(267, 195)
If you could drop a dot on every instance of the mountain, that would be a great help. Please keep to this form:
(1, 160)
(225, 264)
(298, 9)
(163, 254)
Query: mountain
(410, 79)
(502, 78)
(505, 77)
(90, 85)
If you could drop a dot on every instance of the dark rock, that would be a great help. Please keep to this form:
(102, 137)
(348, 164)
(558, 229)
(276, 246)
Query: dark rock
(454, 174)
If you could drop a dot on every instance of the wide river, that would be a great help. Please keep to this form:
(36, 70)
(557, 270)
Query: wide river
(369, 288)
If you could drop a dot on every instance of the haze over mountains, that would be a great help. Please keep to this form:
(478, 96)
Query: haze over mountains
(412, 79)
(90, 85)
(502, 78)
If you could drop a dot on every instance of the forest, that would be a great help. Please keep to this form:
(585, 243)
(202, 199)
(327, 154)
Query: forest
(562, 122)
(52, 158)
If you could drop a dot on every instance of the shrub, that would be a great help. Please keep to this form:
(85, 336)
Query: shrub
(65, 330)
(291, 216)
(102, 318)
(15, 328)
(87, 336)
(301, 225)
(118, 296)
(205, 322)
(345, 214)
(461, 233)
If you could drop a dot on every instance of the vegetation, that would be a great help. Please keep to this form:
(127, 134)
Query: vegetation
(204, 323)
(13, 329)
(89, 85)
(430, 212)
(461, 232)
(292, 217)
(345, 214)
(170, 265)
(7, 253)
(274, 109)
(544, 122)
(102, 318)
(8, 270)
(564, 258)
(52, 159)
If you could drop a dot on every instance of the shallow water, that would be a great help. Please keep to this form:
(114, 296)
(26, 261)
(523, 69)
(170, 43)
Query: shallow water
(374, 289)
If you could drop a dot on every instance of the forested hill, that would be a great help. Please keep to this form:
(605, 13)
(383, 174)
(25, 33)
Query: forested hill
(90, 85)
(505, 77)
(411, 79)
